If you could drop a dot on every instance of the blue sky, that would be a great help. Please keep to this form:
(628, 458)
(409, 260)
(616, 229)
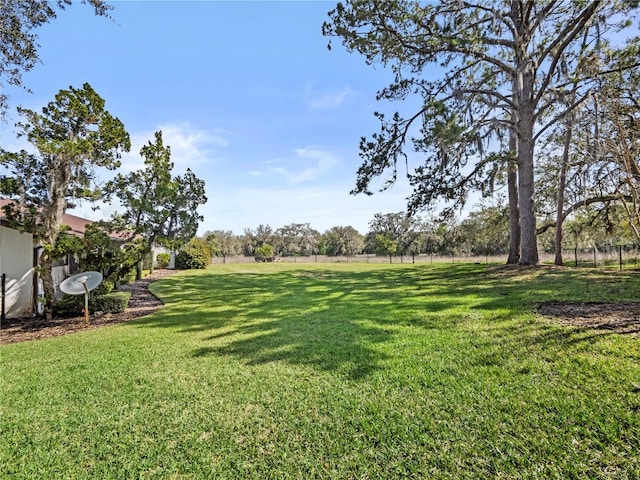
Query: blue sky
(246, 94)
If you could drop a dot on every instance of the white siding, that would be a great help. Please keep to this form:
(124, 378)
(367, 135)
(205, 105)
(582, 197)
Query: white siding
(156, 249)
(16, 262)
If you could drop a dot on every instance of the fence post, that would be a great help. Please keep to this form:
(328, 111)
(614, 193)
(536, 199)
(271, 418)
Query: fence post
(595, 260)
(575, 251)
(620, 255)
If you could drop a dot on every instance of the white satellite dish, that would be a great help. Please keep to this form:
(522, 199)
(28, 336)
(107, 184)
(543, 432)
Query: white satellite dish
(82, 283)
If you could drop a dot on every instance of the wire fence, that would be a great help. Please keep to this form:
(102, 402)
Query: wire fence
(619, 257)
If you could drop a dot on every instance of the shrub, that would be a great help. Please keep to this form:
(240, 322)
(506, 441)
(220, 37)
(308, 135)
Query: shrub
(194, 254)
(69, 306)
(265, 253)
(73, 305)
(162, 260)
(114, 302)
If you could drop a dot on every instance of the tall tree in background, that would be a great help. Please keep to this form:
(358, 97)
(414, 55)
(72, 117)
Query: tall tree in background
(394, 233)
(342, 241)
(159, 207)
(73, 135)
(297, 239)
(19, 40)
(222, 243)
(496, 68)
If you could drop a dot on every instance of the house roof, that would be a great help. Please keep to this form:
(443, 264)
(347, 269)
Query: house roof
(77, 224)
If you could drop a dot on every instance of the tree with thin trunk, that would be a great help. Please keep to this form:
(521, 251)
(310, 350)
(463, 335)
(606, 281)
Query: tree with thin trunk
(159, 207)
(73, 135)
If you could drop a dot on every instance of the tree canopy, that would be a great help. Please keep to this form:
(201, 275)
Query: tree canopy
(487, 74)
(158, 206)
(19, 41)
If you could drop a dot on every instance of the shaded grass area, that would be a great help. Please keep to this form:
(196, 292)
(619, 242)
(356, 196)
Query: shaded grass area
(334, 371)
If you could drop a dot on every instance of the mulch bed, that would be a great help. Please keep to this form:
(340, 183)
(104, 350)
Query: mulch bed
(613, 317)
(142, 303)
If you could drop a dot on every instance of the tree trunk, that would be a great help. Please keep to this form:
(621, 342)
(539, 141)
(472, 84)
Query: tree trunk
(514, 211)
(46, 266)
(52, 220)
(562, 183)
(525, 146)
(528, 240)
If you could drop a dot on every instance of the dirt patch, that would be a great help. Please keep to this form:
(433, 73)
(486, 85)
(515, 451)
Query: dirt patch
(615, 317)
(142, 303)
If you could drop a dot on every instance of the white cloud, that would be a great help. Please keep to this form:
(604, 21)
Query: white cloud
(190, 147)
(329, 100)
(307, 164)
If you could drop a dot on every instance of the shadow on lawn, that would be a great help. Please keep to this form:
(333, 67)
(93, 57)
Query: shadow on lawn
(334, 319)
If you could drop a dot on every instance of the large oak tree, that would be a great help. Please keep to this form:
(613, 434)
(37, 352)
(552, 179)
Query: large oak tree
(486, 72)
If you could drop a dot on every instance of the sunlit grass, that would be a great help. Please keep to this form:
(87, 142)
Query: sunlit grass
(334, 371)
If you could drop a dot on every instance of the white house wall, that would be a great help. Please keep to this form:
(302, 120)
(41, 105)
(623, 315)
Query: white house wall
(16, 262)
(156, 249)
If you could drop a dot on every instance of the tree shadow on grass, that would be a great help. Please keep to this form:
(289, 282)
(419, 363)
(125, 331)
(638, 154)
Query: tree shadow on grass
(337, 319)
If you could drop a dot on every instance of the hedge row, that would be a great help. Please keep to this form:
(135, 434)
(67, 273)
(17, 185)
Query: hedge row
(72, 305)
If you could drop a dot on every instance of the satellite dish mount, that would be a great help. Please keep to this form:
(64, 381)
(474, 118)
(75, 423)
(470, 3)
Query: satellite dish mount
(82, 283)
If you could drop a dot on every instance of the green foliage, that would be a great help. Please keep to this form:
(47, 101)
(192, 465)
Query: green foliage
(297, 239)
(19, 46)
(222, 243)
(194, 255)
(265, 253)
(73, 135)
(107, 255)
(159, 207)
(485, 73)
(342, 241)
(69, 306)
(107, 302)
(385, 245)
(114, 302)
(163, 259)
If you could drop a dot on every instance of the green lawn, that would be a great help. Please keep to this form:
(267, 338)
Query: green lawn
(333, 371)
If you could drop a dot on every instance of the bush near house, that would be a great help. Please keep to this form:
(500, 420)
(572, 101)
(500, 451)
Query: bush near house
(72, 305)
(194, 255)
(162, 260)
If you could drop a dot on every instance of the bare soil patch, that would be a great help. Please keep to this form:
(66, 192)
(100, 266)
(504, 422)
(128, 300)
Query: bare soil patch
(142, 303)
(614, 317)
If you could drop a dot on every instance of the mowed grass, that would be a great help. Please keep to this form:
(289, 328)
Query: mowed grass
(334, 371)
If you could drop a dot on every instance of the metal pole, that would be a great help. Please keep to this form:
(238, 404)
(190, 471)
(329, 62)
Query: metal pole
(86, 302)
(3, 290)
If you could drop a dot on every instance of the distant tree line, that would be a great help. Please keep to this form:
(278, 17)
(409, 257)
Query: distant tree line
(484, 231)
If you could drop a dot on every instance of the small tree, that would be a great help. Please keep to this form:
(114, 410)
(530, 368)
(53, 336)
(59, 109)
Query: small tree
(163, 260)
(385, 245)
(222, 244)
(159, 207)
(265, 253)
